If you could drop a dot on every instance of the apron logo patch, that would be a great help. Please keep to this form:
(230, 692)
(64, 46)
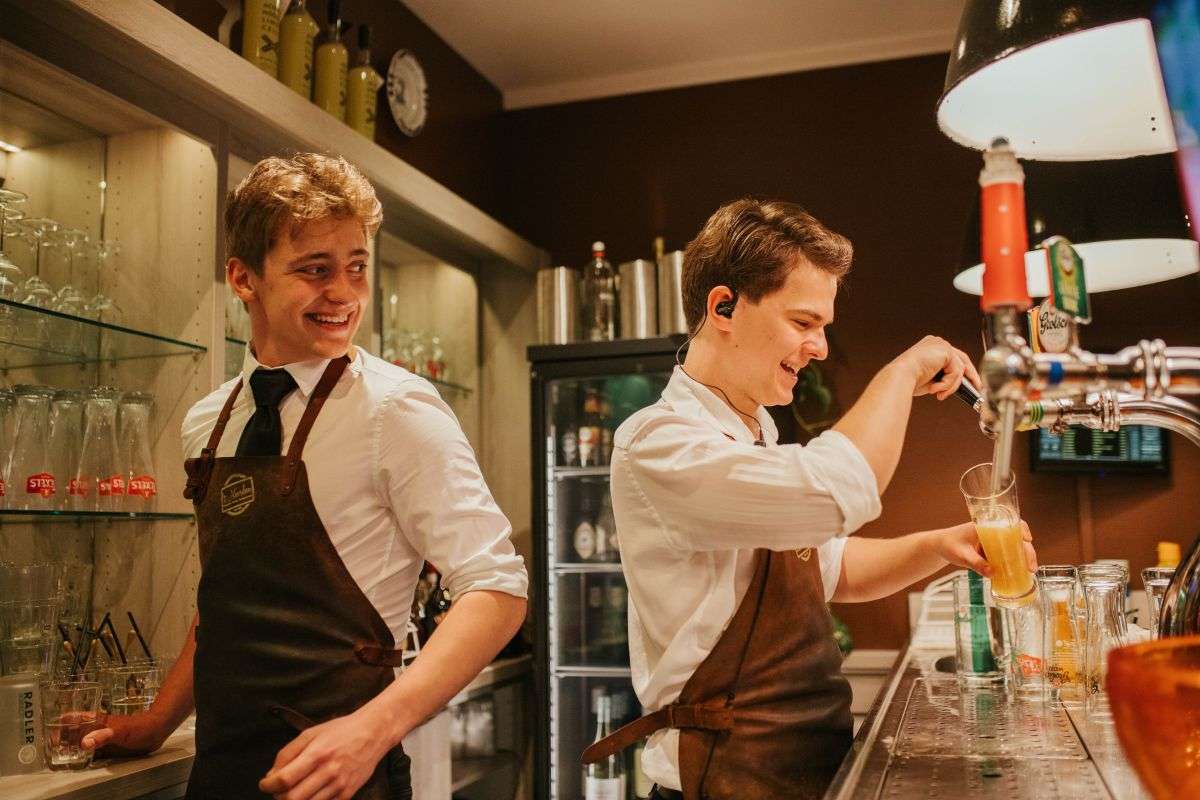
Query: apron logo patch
(804, 554)
(237, 494)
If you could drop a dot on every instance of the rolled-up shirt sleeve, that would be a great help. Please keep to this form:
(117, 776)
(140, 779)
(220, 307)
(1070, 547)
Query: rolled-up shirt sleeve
(428, 474)
(714, 494)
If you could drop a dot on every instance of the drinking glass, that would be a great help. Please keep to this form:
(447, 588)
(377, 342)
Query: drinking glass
(141, 485)
(1105, 629)
(100, 306)
(66, 435)
(11, 276)
(1025, 636)
(130, 688)
(1156, 580)
(31, 465)
(99, 480)
(1058, 588)
(978, 633)
(8, 403)
(997, 518)
(70, 711)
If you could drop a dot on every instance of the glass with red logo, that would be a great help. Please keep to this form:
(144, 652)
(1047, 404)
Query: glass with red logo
(8, 405)
(66, 435)
(141, 484)
(99, 480)
(31, 480)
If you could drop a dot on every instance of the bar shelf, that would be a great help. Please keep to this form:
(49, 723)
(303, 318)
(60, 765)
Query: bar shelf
(70, 339)
(12, 515)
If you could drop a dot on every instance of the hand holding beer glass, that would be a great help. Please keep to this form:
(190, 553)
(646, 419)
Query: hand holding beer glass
(997, 519)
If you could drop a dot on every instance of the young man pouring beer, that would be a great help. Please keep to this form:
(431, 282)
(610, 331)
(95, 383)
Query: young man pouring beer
(323, 478)
(732, 544)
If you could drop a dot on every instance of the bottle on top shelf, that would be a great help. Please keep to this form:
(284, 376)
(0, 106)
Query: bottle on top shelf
(599, 297)
(297, 31)
(260, 34)
(362, 88)
(332, 62)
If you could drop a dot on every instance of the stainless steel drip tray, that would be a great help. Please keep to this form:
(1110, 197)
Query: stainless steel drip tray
(1003, 778)
(942, 721)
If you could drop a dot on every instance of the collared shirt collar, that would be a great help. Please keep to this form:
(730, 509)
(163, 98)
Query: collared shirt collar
(306, 373)
(692, 398)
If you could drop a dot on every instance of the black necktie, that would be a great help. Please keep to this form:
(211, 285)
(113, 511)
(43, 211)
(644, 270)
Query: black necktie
(263, 435)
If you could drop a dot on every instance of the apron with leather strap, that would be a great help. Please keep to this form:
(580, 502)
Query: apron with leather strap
(767, 713)
(286, 638)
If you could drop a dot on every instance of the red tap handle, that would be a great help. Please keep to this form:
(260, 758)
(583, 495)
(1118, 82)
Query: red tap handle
(1004, 244)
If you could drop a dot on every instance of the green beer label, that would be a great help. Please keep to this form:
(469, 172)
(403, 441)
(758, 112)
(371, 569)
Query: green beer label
(1068, 287)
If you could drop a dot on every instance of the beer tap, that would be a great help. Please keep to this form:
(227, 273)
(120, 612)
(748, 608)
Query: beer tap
(1026, 387)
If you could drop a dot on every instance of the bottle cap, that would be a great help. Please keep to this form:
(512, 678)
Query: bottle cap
(1168, 554)
(597, 247)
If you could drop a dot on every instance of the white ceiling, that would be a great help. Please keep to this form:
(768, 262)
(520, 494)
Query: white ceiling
(541, 52)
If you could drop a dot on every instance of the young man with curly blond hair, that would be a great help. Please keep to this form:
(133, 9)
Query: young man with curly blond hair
(323, 478)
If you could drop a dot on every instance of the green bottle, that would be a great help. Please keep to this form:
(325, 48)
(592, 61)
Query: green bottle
(329, 89)
(362, 88)
(297, 31)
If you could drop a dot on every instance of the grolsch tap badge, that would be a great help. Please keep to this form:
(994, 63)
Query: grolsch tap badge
(1053, 331)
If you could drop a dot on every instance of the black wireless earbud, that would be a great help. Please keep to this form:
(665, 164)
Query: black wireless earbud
(725, 307)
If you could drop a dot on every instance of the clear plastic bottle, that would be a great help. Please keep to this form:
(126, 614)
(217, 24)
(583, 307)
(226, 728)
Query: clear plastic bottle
(31, 467)
(599, 297)
(99, 481)
(141, 484)
(66, 436)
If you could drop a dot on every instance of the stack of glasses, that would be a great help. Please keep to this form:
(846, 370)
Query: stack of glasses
(76, 451)
(1046, 634)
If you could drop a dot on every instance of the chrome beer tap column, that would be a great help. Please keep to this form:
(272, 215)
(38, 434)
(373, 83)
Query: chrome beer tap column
(1005, 298)
(1024, 389)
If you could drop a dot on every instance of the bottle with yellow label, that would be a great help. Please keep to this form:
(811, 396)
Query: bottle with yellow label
(260, 34)
(329, 90)
(362, 88)
(297, 31)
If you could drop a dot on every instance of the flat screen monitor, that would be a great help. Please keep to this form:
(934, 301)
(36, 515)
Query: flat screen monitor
(1133, 448)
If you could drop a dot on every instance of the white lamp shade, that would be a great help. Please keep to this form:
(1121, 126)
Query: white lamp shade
(1116, 264)
(1089, 95)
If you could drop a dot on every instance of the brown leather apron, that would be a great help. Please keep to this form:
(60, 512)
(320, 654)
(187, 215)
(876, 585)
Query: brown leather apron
(286, 638)
(767, 713)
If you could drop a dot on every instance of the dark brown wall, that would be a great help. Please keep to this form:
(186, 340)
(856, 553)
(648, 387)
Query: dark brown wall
(458, 147)
(860, 148)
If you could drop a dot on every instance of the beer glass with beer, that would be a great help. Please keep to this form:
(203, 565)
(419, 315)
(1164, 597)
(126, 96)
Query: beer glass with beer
(997, 519)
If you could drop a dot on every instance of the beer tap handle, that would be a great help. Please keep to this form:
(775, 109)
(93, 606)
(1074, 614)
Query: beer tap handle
(965, 391)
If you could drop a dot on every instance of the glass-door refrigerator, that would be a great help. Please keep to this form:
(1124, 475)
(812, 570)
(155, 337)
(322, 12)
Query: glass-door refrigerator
(581, 393)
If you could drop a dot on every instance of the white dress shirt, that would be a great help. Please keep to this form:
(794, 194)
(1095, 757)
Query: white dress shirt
(693, 498)
(392, 477)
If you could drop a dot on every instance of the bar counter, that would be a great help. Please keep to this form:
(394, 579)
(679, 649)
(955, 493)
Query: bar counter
(925, 739)
(163, 774)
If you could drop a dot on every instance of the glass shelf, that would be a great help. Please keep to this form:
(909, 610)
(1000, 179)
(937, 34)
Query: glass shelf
(36, 337)
(18, 516)
(582, 671)
(580, 566)
(581, 472)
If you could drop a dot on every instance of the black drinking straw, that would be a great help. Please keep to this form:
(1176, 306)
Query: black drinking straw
(137, 631)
